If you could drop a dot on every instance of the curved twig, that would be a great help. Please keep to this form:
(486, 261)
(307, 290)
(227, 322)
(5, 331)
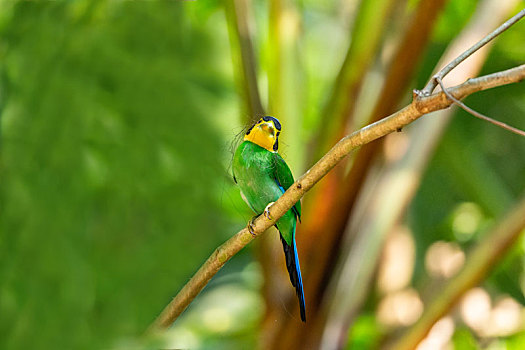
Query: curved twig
(477, 114)
(431, 85)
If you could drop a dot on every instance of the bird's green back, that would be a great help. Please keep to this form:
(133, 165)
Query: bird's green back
(263, 176)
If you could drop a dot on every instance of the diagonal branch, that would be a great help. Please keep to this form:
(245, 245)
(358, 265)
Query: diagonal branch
(420, 106)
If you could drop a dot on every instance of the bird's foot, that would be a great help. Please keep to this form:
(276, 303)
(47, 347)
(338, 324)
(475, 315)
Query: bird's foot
(251, 227)
(266, 211)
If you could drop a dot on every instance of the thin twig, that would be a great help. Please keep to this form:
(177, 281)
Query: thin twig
(477, 114)
(431, 85)
(419, 107)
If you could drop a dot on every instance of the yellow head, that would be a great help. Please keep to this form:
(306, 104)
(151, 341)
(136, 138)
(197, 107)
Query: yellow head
(265, 133)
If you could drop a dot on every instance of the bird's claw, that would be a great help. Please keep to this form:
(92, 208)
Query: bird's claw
(251, 227)
(251, 223)
(266, 211)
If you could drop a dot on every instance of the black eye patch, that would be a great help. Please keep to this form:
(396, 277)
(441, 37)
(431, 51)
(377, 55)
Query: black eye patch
(276, 144)
(250, 129)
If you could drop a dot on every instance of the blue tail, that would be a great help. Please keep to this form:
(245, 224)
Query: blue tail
(299, 287)
(294, 270)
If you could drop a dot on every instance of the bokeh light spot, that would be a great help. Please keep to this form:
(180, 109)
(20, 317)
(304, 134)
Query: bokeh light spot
(444, 259)
(466, 221)
(475, 308)
(401, 308)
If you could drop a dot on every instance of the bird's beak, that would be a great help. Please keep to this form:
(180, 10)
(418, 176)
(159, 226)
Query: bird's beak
(268, 127)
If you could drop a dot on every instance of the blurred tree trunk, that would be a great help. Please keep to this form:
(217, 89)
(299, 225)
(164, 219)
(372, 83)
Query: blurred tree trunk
(285, 97)
(243, 56)
(328, 206)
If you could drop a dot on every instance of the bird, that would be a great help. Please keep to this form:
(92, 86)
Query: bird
(263, 176)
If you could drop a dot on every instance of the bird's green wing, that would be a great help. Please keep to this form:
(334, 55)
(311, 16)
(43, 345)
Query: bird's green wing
(284, 178)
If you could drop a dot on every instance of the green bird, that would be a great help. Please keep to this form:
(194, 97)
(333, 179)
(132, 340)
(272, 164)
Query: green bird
(263, 176)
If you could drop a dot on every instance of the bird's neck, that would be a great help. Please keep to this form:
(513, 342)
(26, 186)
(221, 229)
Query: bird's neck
(261, 139)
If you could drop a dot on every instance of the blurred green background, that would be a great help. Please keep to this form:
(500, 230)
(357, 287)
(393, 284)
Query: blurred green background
(118, 121)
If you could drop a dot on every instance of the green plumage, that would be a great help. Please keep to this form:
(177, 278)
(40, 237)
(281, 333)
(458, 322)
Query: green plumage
(263, 177)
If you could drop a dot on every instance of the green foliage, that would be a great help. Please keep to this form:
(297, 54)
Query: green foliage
(365, 333)
(516, 342)
(464, 340)
(110, 167)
